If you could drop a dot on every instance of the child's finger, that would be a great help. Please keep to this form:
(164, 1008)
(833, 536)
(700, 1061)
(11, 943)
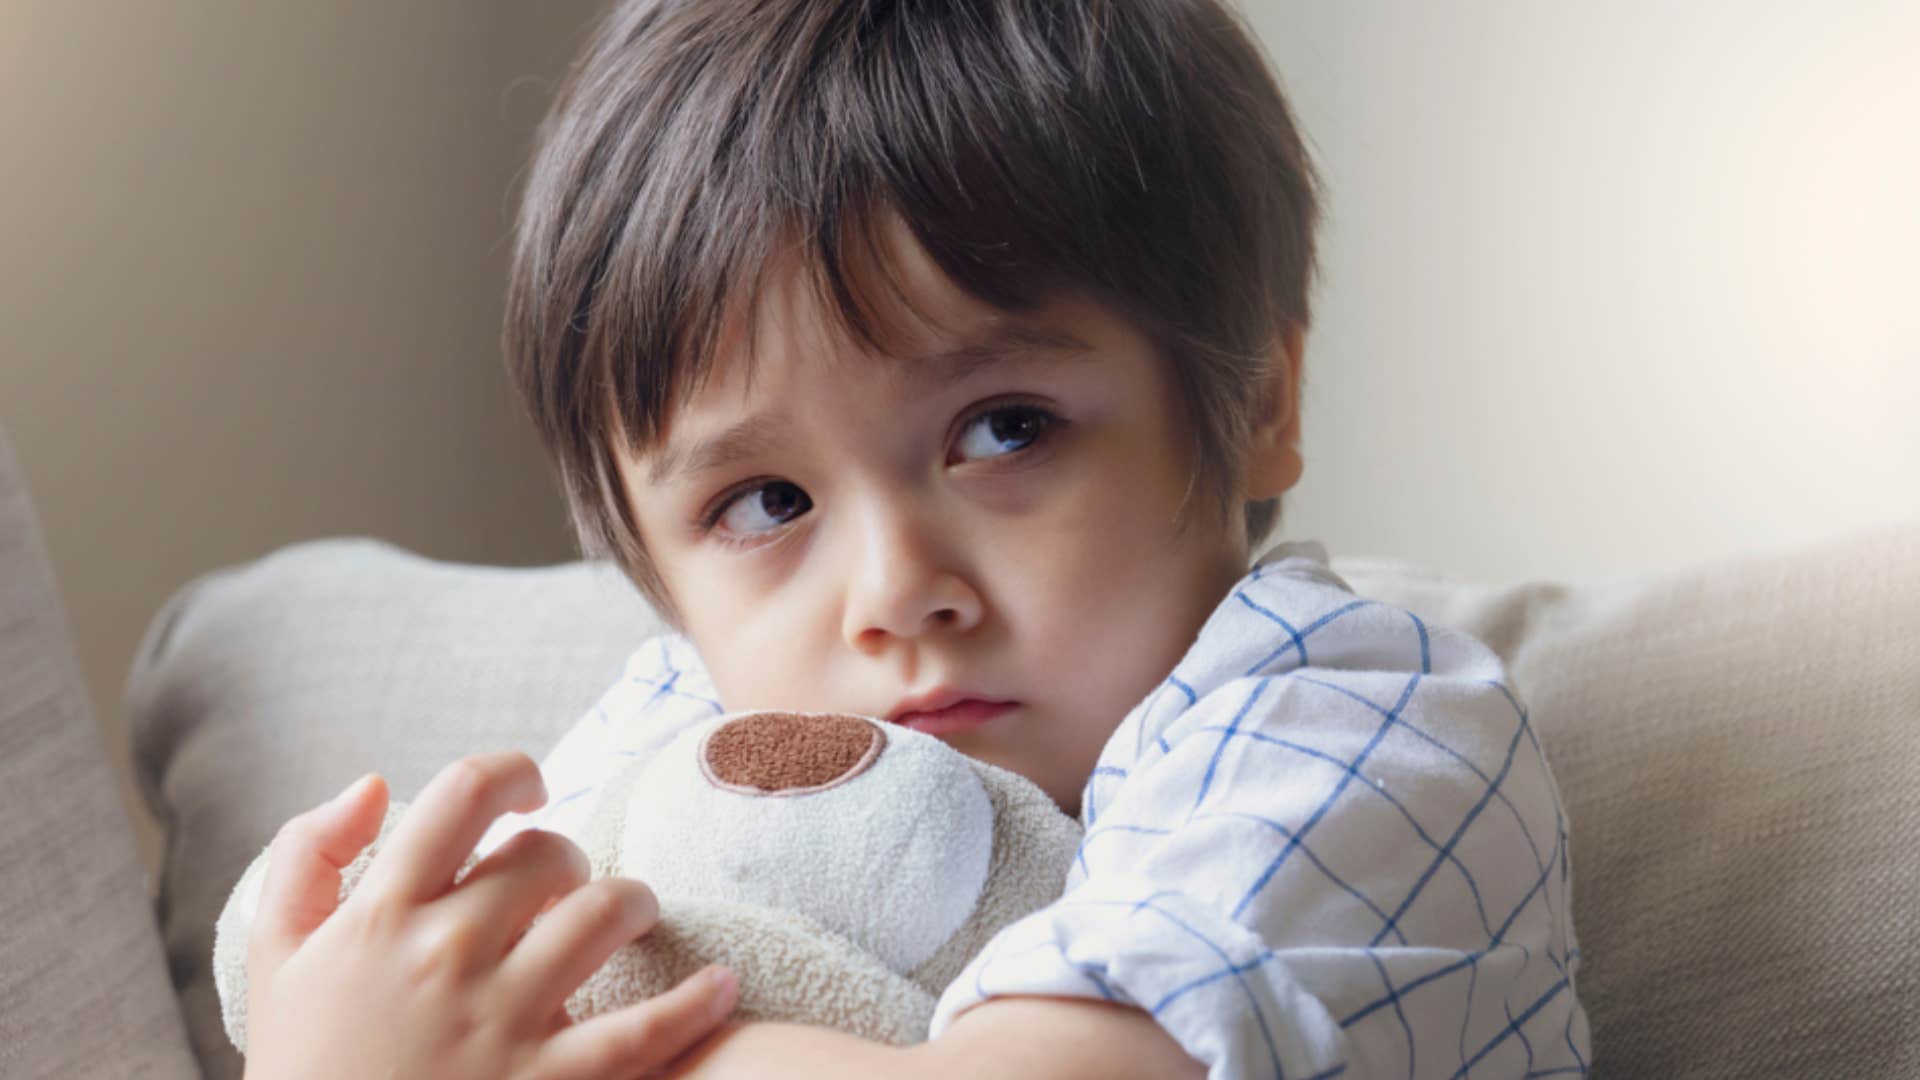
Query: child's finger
(438, 831)
(512, 885)
(302, 885)
(642, 1037)
(572, 940)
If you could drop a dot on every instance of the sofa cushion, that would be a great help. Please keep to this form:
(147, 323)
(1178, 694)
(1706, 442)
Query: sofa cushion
(83, 985)
(1738, 748)
(264, 689)
(1737, 744)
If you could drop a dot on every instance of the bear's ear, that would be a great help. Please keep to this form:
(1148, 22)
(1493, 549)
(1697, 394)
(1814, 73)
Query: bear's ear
(1273, 462)
(781, 753)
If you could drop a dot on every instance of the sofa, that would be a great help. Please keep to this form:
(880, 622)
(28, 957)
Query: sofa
(1738, 745)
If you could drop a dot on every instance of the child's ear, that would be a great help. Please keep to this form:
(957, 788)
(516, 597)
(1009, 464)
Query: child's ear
(1273, 453)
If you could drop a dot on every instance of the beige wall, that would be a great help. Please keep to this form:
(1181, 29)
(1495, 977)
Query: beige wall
(1608, 287)
(251, 281)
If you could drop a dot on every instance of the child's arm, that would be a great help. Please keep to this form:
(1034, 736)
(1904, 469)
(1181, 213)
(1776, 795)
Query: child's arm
(414, 976)
(1039, 1037)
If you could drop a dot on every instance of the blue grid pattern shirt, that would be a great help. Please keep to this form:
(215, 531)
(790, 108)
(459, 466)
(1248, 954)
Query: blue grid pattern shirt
(1327, 845)
(663, 690)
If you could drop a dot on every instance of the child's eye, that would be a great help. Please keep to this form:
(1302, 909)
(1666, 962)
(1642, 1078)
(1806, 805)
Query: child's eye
(761, 509)
(1003, 430)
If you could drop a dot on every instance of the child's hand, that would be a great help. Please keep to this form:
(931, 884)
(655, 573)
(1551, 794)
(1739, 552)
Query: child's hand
(414, 977)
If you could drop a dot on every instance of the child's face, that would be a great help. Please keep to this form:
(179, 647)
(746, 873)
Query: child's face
(878, 535)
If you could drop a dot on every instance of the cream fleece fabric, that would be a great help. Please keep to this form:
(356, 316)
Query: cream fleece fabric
(922, 825)
(894, 859)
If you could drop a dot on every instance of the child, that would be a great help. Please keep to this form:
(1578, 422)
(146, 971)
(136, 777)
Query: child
(940, 362)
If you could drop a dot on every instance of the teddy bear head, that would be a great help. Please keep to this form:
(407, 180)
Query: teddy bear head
(867, 861)
(847, 869)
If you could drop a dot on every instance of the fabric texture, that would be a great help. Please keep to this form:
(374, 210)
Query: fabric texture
(1328, 844)
(264, 689)
(664, 696)
(850, 906)
(83, 984)
(661, 691)
(872, 972)
(895, 860)
(1739, 748)
(1737, 744)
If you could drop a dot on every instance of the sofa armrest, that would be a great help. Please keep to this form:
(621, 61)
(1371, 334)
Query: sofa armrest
(83, 981)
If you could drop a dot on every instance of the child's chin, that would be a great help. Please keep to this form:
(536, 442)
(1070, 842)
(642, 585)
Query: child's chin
(980, 745)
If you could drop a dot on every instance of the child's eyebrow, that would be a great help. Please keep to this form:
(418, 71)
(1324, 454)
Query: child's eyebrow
(742, 440)
(944, 367)
(924, 373)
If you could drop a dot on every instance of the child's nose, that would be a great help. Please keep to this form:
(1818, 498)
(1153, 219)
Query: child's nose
(773, 753)
(902, 588)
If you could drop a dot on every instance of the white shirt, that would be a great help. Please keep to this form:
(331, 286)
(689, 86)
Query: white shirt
(662, 690)
(1328, 844)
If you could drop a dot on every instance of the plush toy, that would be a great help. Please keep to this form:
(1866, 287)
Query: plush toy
(845, 868)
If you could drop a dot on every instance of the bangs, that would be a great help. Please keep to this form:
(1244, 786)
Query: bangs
(1142, 158)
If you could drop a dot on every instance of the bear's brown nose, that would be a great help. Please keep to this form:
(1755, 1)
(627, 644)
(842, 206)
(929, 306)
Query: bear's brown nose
(775, 753)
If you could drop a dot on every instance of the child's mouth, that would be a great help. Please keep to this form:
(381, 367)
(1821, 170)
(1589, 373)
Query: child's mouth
(959, 716)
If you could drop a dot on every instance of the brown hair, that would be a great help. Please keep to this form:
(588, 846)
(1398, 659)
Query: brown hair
(1137, 151)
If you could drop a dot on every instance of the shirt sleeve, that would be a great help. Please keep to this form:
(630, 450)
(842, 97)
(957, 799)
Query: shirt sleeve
(661, 690)
(1318, 871)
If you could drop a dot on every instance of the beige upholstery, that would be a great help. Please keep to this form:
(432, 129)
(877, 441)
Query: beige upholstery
(83, 986)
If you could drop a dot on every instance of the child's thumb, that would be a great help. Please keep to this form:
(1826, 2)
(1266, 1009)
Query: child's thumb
(302, 884)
